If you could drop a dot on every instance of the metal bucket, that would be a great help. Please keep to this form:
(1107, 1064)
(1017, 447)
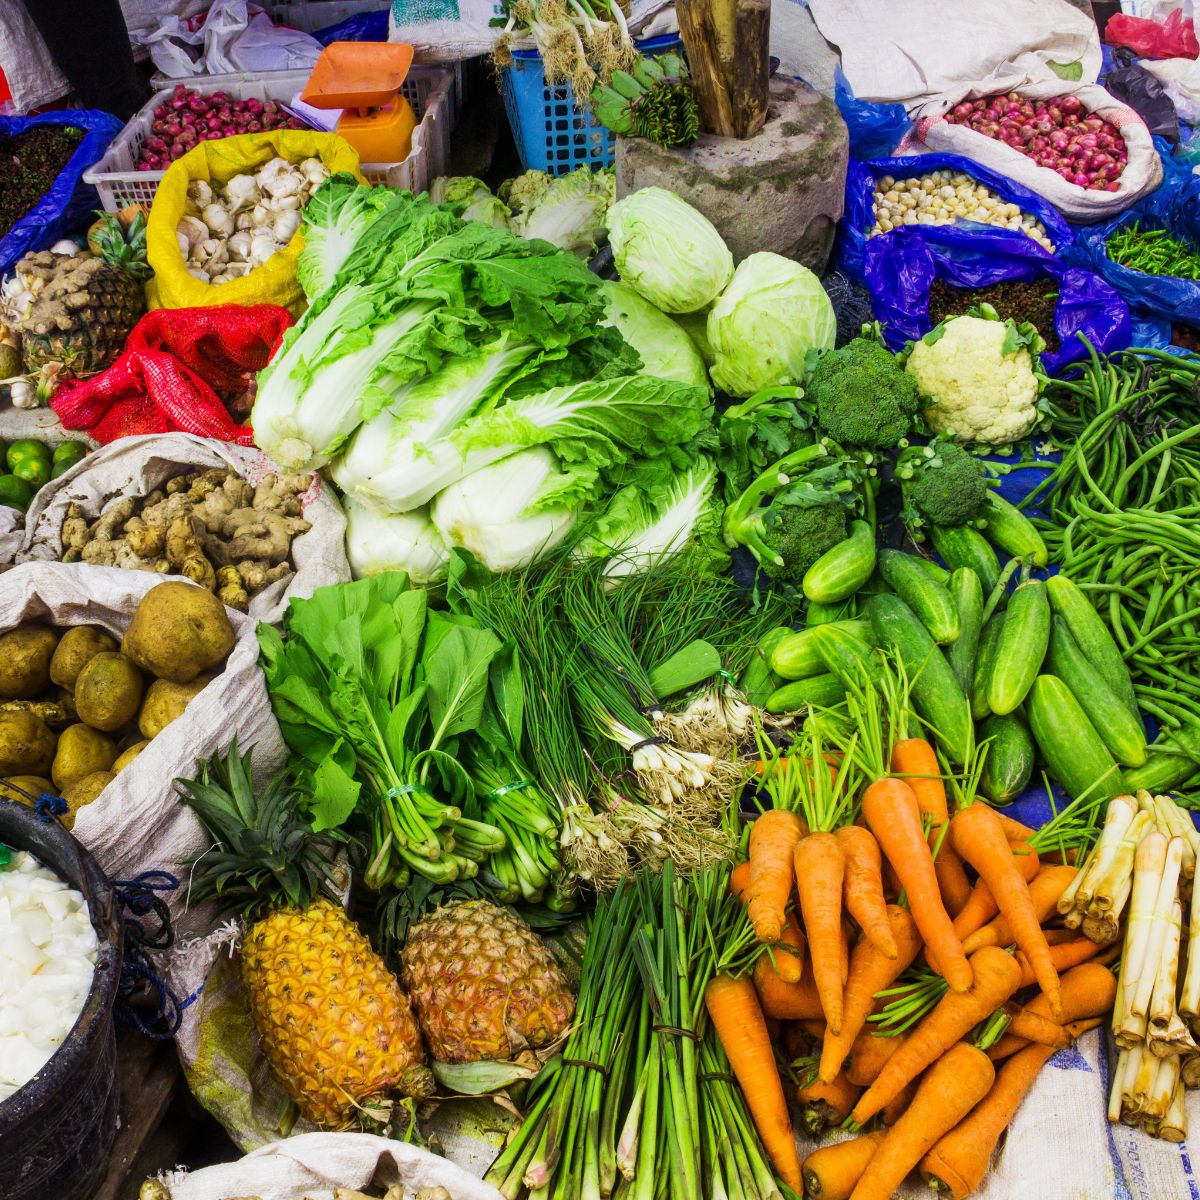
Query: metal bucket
(57, 1131)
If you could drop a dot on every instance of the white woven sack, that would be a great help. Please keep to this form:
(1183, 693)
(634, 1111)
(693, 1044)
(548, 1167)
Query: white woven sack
(138, 465)
(450, 30)
(1142, 174)
(138, 823)
(309, 1167)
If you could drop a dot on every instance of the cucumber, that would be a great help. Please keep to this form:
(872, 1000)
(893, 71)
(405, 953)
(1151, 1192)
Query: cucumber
(934, 687)
(1120, 732)
(1009, 763)
(932, 602)
(848, 657)
(1164, 769)
(842, 570)
(1074, 753)
(758, 680)
(967, 593)
(1010, 529)
(1092, 637)
(822, 614)
(797, 656)
(985, 658)
(963, 546)
(822, 690)
(934, 570)
(1022, 647)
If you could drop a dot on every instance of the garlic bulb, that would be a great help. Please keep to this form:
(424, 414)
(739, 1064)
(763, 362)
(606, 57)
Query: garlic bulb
(241, 192)
(239, 245)
(259, 216)
(262, 246)
(200, 193)
(285, 227)
(219, 219)
(193, 230)
(242, 221)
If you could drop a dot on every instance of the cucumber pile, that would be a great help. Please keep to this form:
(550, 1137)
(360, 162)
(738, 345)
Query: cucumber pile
(1033, 671)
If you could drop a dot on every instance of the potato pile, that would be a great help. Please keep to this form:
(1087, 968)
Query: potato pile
(76, 708)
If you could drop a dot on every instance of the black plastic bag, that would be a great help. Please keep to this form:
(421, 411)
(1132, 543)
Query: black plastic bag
(1146, 96)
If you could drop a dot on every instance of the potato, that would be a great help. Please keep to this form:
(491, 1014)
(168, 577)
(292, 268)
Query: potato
(128, 755)
(75, 648)
(178, 630)
(25, 654)
(26, 744)
(81, 751)
(165, 701)
(35, 785)
(84, 791)
(108, 692)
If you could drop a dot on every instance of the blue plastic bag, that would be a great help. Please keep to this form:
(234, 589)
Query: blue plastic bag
(875, 129)
(67, 207)
(365, 27)
(901, 266)
(859, 214)
(1173, 206)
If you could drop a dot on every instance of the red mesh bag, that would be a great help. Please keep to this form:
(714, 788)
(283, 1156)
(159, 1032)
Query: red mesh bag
(177, 365)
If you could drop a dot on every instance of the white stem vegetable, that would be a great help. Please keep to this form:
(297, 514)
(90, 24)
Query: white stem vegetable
(1164, 898)
(1121, 811)
(1147, 874)
(1173, 1127)
(1189, 1000)
(1120, 867)
(1167, 1034)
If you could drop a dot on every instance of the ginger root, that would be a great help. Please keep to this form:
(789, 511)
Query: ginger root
(213, 527)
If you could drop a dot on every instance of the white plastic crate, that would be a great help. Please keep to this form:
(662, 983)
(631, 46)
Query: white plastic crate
(428, 89)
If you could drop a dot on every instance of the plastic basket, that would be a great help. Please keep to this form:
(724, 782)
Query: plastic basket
(553, 133)
(428, 89)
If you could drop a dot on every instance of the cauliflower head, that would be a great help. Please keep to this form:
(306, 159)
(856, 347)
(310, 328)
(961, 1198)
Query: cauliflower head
(977, 385)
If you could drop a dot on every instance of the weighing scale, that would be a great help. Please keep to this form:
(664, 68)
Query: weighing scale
(364, 79)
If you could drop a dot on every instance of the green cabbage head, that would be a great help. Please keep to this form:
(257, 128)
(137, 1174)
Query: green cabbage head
(667, 251)
(765, 322)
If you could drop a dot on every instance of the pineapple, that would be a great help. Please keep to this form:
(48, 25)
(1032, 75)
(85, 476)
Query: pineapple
(331, 1018)
(483, 983)
(120, 238)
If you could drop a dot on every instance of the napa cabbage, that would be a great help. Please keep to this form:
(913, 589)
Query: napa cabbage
(408, 542)
(335, 217)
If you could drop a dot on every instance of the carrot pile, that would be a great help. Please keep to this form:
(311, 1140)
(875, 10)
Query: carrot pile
(1138, 882)
(909, 955)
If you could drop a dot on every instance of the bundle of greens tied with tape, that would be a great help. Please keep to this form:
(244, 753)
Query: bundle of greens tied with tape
(652, 100)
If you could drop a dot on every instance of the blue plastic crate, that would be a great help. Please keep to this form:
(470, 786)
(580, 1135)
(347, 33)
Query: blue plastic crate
(552, 132)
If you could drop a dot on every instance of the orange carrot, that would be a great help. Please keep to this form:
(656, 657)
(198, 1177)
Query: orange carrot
(996, 977)
(773, 838)
(826, 1104)
(739, 880)
(819, 872)
(813, 1028)
(870, 972)
(978, 837)
(952, 1087)
(1008, 1046)
(1033, 1027)
(1044, 890)
(899, 1105)
(831, 1172)
(893, 817)
(867, 1056)
(789, 950)
(863, 886)
(958, 1162)
(786, 1001)
(736, 1016)
(980, 907)
(1064, 956)
(917, 761)
(1014, 831)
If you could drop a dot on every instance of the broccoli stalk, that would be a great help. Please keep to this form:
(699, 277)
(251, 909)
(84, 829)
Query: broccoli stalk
(805, 512)
(942, 484)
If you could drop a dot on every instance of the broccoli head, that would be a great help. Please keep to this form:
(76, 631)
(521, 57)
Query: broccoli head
(946, 484)
(794, 511)
(864, 397)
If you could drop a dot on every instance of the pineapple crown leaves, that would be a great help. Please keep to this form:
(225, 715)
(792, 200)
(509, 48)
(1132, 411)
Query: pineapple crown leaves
(122, 245)
(266, 855)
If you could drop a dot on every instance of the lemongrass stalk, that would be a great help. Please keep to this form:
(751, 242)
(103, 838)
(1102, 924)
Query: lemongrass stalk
(1167, 1032)
(1178, 824)
(1189, 1000)
(1148, 867)
(1173, 1126)
(1160, 913)
(1120, 867)
(1144, 1070)
(1116, 1095)
(1189, 1070)
(1121, 810)
(1162, 1089)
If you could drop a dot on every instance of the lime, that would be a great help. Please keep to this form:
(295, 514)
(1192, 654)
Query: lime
(15, 492)
(35, 471)
(26, 448)
(69, 452)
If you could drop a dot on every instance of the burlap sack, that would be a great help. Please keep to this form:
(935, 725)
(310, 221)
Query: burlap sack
(138, 465)
(138, 823)
(314, 1164)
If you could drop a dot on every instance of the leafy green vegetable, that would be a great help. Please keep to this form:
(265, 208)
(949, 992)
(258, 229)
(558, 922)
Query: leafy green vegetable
(666, 351)
(471, 198)
(759, 432)
(408, 542)
(568, 211)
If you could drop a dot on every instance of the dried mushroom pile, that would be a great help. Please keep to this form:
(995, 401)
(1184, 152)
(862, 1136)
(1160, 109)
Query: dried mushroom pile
(231, 536)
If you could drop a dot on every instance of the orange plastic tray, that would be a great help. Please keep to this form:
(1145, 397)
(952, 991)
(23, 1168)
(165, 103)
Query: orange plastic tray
(358, 74)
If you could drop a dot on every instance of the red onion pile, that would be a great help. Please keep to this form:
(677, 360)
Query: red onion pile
(188, 118)
(1059, 133)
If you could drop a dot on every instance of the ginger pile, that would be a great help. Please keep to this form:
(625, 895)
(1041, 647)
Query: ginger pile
(213, 527)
